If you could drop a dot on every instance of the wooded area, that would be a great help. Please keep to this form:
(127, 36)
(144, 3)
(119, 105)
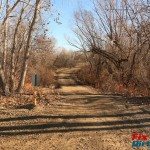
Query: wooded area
(114, 41)
(115, 37)
(95, 96)
(20, 25)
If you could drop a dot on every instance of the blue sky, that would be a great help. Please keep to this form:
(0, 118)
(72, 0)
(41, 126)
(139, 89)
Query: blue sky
(66, 9)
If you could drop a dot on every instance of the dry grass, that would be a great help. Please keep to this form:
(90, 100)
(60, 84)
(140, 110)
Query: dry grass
(107, 84)
(47, 76)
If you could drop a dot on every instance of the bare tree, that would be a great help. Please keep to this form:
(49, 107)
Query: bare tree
(19, 25)
(118, 32)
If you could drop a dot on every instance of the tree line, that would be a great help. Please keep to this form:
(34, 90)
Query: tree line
(20, 24)
(115, 37)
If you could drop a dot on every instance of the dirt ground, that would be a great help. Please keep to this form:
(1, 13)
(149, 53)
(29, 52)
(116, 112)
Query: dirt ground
(79, 118)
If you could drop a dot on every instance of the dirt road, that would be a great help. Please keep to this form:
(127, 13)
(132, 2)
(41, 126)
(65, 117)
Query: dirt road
(79, 119)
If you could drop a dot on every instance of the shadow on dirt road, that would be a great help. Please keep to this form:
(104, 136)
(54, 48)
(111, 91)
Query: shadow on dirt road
(81, 118)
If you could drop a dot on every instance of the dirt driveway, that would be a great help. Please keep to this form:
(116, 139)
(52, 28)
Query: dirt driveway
(79, 119)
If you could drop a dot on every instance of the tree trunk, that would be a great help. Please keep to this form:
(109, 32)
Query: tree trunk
(4, 85)
(26, 56)
(23, 73)
(12, 72)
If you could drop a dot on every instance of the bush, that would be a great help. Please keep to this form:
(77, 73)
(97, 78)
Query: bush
(47, 76)
(108, 83)
(65, 59)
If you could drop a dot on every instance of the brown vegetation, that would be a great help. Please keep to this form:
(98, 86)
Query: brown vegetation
(18, 29)
(115, 39)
